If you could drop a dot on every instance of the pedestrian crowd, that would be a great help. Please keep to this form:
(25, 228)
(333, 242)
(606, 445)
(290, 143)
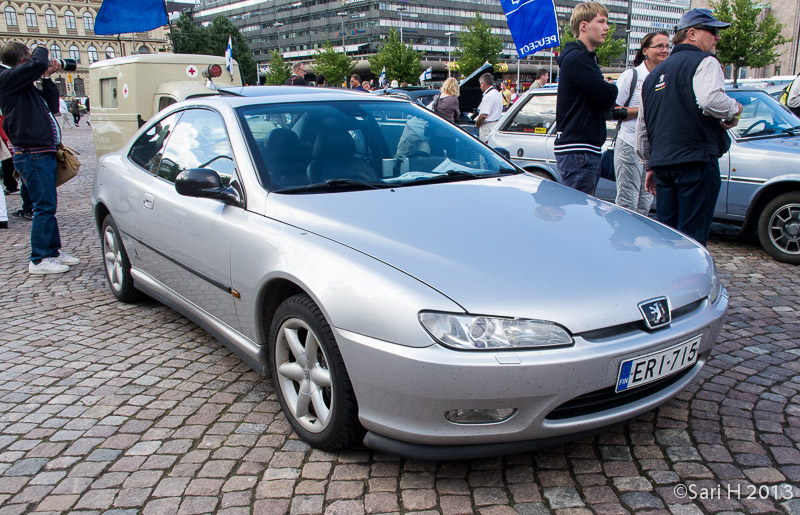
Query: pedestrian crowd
(673, 118)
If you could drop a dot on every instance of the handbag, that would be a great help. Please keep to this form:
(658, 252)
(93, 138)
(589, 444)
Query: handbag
(607, 160)
(67, 164)
(4, 152)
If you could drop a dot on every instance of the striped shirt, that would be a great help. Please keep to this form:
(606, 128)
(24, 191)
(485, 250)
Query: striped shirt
(708, 84)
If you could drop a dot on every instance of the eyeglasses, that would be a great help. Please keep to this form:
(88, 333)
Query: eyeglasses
(661, 46)
(714, 31)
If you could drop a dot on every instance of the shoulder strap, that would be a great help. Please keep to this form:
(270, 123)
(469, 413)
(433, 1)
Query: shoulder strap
(634, 80)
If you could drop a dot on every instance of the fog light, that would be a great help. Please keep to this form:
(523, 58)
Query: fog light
(479, 416)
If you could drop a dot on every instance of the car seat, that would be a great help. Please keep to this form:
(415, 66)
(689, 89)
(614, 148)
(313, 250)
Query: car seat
(284, 160)
(333, 157)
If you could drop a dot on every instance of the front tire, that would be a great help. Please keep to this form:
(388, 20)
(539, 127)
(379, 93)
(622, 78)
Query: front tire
(310, 377)
(116, 263)
(779, 228)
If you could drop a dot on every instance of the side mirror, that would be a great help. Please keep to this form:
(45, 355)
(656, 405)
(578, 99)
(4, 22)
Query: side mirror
(206, 183)
(503, 152)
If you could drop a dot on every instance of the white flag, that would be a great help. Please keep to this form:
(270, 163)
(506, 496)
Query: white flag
(382, 78)
(426, 75)
(229, 57)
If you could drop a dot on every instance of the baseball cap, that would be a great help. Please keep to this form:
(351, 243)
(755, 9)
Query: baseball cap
(696, 17)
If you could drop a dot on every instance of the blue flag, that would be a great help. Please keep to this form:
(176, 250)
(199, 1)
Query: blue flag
(533, 24)
(124, 16)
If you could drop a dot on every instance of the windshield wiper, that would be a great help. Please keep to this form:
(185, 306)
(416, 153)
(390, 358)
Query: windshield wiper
(331, 185)
(762, 132)
(792, 130)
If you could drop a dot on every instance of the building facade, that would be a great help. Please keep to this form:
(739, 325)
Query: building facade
(652, 16)
(788, 13)
(67, 28)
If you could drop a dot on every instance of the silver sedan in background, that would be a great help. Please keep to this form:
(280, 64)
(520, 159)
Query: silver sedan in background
(760, 173)
(400, 283)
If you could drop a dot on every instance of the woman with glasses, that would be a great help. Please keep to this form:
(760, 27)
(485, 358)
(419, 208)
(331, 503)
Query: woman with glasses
(630, 175)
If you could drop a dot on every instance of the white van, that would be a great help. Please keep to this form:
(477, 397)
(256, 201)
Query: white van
(127, 91)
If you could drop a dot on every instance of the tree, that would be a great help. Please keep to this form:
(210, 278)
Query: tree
(188, 38)
(478, 46)
(747, 42)
(279, 70)
(335, 66)
(610, 50)
(401, 60)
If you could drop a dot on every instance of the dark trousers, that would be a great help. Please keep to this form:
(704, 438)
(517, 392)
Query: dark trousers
(9, 181)
(686, 195)
(77, 118)
(579, 170)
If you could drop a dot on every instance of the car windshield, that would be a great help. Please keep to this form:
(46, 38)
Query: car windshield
(763, 116)
(310, 147)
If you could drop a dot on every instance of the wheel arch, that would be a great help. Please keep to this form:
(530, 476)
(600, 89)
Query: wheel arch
(762, 198)
(272, 295)
(540, 171)
(100, 213)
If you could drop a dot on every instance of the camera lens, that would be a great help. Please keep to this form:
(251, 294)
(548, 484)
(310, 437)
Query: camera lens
(68, 65)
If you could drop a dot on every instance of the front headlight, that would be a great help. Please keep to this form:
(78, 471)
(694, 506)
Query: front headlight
(716, 284)
(466, 332)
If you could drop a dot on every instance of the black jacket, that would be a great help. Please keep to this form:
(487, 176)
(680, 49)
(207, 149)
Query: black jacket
(583, 98)
(27, 110)
(678, 130)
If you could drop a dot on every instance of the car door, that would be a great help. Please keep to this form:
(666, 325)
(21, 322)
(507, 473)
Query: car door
(527, 133)
(188, 238)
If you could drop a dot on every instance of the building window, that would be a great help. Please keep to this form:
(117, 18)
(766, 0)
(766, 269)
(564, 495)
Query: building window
(92, 51)
(69, 20)
(11, 17)
(143, 50)
(30, 18)
(110, 53)
(80, 90)
(75, 53)
(55, 51)
(50, 19)
(88, 21)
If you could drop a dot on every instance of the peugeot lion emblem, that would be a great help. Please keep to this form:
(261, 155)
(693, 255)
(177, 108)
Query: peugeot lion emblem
(656, 312)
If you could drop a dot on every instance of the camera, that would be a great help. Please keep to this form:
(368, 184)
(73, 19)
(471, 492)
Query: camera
(616, 113)
(68, 65)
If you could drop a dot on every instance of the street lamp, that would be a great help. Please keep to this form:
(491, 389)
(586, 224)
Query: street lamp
(449, 48)
(278, 33)
(400, 14)
(343, 14)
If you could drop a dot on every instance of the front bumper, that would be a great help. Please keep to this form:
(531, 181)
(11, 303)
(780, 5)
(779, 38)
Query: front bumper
(404, 392)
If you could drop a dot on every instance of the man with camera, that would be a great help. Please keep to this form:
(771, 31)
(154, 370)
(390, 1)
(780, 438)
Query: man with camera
(35, 135)
(682, 127)
(584, 101)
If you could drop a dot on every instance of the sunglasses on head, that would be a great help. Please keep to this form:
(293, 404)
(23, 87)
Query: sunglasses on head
(713, 30)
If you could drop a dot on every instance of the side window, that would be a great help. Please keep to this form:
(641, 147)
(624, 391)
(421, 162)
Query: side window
(198, 141)
(165, 102)
(149, 148)
(537, 116)
(108, 93)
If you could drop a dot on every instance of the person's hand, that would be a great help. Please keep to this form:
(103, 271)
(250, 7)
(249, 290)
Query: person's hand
(54, 67)
(730, 124)
(650, 182)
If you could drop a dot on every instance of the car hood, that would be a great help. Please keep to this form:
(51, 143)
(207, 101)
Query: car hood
(515, 246)
(772, 144)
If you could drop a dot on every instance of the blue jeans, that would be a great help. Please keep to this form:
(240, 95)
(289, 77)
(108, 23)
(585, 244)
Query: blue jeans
(579, 170)
(39, 173)
(686, 197)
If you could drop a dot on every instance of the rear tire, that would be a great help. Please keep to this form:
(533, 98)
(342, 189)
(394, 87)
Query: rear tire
(310, 377)
(116, 263)
(779, 228)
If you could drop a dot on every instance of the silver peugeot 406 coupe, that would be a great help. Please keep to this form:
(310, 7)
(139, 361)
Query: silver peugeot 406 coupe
(401, 283)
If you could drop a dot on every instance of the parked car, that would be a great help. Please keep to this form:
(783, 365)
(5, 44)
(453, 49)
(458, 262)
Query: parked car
(760, 174)
(398, 280)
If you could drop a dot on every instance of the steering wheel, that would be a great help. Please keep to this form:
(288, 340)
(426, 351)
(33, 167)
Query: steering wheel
(756, 124)
(417, 153)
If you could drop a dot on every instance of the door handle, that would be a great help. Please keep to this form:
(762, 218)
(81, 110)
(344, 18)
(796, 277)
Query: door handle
(148, 201)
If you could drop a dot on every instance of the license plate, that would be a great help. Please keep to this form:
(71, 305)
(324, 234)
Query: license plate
(652, 367)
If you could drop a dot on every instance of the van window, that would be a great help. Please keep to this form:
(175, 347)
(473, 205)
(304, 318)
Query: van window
(108, 93)
(165, 101)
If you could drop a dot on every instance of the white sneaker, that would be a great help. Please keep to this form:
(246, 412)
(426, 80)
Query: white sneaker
(67, 259)
(47, 266)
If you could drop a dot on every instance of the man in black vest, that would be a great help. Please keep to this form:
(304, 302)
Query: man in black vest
(682, 126)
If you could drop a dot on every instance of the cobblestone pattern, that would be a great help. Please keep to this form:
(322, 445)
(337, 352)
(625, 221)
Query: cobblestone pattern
(123, 409)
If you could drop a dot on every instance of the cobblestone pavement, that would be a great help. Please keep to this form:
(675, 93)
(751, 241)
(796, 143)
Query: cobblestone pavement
(123, 409)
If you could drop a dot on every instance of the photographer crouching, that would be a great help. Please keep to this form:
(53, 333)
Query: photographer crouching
(35, 135)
